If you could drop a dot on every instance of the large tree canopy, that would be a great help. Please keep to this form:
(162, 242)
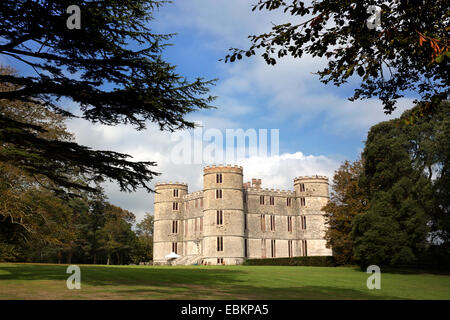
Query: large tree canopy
(407, 53)
(405, 178)
(111, 67)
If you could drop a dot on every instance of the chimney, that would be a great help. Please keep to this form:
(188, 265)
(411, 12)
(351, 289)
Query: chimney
(256, 183)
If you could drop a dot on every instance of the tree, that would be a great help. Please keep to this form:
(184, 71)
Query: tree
(116, 236)
(395, 228)
(144, 231)
(111, 67)
(429, 149)
(24, 205)
(407, 53)
(346, 201)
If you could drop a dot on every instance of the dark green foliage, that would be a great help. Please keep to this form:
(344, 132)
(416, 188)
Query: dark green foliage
(83, 230)
(144, 247)
(404, 177)
(315, 261)
(112, 68)
(408, 53)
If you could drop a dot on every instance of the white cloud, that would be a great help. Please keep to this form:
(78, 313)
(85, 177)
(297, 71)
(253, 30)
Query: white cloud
(276, 171)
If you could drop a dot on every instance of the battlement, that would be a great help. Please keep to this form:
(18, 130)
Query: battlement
(267, 191)
(171, 184)
(315, 177)
(193, 195)
(223, 168)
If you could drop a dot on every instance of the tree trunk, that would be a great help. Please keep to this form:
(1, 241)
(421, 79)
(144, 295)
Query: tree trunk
(69, 257)
(107, 261)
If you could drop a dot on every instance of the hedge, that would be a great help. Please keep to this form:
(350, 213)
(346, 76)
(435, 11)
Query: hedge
(317, 261)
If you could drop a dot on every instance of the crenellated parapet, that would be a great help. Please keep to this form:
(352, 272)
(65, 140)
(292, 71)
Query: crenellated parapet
(223, 168)
(193, 195)
(171, 185)
(315, 177)
(271, 192)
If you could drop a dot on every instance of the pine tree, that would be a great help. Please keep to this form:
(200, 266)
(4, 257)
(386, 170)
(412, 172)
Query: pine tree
(112, 67)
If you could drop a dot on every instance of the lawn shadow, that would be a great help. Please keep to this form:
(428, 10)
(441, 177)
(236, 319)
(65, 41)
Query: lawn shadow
(245, 292)
(119, 275)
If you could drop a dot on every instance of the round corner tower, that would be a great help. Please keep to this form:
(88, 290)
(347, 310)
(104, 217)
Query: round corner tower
(312, 194)
(223, 214)
(168, 212)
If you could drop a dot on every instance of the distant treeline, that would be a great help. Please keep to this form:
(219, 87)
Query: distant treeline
(79, 230)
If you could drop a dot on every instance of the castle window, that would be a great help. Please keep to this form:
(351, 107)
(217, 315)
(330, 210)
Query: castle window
(174, 226)
(273, 249)
(220, 261)
(175, 193)
(196, 203)
(288, 202)
(219, 243)
(195, 225)
(201, 202)
(261, 199)
(201, 224)
(289, 223)
(186, 225)
(272, 223)
(290, 248)
(174, 247)
(304, 248)
(245, 221)
(302, 202)
(303, 222)
(175, 206)
(246, 248)
(218, 194)
(219, 217)
(263, 248)
(263, 223)
(271, 201)
(302, 187)
(218, 178)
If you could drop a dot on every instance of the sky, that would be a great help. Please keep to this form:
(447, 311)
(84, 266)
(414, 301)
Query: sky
(318, 127)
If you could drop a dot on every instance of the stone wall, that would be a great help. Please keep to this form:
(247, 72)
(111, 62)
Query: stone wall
(244, 218)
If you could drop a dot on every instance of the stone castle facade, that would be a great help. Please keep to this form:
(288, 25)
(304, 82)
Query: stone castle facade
(230, 221)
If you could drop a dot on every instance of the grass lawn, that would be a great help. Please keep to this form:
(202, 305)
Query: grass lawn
(44, 281)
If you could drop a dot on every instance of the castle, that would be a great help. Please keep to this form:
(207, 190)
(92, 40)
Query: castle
(230, 221)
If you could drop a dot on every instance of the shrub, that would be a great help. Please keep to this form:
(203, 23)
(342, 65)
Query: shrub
(317, 261)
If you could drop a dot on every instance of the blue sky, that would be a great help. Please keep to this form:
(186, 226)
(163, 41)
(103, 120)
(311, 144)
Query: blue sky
(319, 127)
(315, 118)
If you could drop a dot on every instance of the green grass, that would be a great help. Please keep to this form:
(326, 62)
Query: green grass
(44, 281)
